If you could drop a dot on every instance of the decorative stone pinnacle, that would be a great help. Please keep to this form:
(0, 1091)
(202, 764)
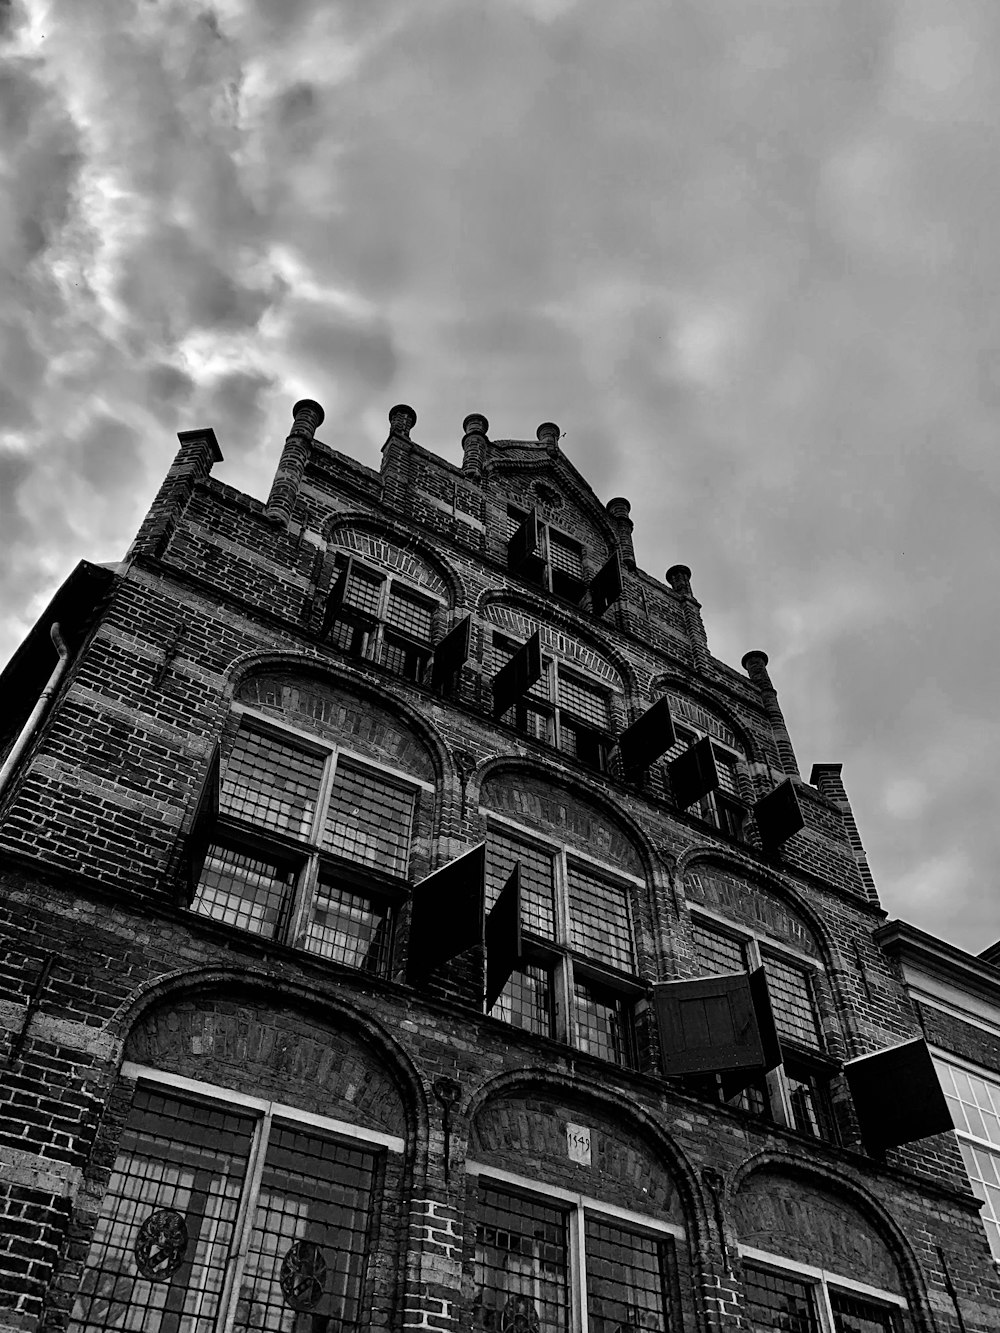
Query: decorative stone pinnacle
(402, 419)
(619, 507)
(679, 578)
(755, 658)
(475, 424)
(548, 433)
(307, 417)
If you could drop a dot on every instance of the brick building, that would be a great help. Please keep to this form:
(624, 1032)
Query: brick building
(408, 924)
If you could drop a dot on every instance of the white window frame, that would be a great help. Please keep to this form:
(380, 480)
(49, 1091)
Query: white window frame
(578, 1206)
(305, 852)
(823, 1280)
(264, 1113)
(561, 957)
(779, 1092)
(374, 640)
(943, 1057)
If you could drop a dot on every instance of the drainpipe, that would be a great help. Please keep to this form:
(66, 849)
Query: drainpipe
(28, 730)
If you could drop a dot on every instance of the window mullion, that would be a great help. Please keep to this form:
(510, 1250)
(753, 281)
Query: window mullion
(306, 886)
(827, 1320)
(243, 1227)
(578, 1270)
(554, 698)
(562, 985)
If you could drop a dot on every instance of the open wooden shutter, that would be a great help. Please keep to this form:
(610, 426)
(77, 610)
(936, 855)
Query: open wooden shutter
(606, 585)
(203, 827)
(335, 599)
(708, 1025)
(897, 1095)
(516, 677)
(778, 815)
(503, 937)
(693, 774)
(525, 542)
(451, 654)
(648, 737)
(447, 913)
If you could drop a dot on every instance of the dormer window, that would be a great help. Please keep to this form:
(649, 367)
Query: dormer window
(547, 557)
(378, 617)
(722, 806)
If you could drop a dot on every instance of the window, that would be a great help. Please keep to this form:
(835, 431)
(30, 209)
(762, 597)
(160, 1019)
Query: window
(375, 616)
(796, 1094)
(563, 709)
(578, 984)
(796, 1298)
(312, 846)
(974, 1102)
(227, 1207)
(542, 1259)
(723, 807)
(555, 564)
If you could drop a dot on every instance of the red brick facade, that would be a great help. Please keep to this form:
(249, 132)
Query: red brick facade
(218, 625)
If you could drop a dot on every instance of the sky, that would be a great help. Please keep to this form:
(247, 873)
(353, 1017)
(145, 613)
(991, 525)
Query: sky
(744, 252)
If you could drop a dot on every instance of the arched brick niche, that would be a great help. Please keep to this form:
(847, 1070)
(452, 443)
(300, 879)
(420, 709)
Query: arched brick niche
(736, 897)
(534, 1133)
(271, 1052)
(338, 714)
(818, 1242)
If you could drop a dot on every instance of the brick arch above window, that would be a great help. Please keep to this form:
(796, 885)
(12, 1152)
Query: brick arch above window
(732, 893)
(521, 624)
(393, 554)
(685, 707)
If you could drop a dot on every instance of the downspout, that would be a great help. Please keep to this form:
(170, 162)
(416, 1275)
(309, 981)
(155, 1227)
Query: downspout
(28, 730)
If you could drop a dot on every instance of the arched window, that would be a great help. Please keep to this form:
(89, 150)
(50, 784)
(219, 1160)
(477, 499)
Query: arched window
(722, 805)
(311, 843)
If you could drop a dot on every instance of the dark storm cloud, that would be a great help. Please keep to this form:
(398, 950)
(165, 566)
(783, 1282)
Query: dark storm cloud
(742, 253)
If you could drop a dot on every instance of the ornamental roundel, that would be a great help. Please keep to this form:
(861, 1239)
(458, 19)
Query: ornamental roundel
(547, 495)
(161, 1244)
(519, 1316)
(303, 1275)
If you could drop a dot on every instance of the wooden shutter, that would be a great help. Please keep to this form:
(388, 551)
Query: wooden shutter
(778, 815)
(648, 737)
(606, 586)
(452, 653)
(503, 937)
(335, 599)
(524, 543)
(516, 677)
(693, 774)
(203, 827)
(708, 1025)
(447, 913)
(897, 1095)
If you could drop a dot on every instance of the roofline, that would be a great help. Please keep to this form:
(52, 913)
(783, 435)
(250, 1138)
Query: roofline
(937, 957)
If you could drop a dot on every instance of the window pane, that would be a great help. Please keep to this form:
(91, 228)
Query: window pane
(565, 554)
(790, 988)
(583, 702)
(811, 1106)
(717, 954)
(526, 1000)
(774, 1301)
(502, 854)
(521, 1278)
(403, 657)
(629, 1277)
(599, 924)
(851, 1314)
(306, 1262)
(503, 650)
(244, 890)
(159, 1251)
(603, 1024)
(410, 614)
(369, 819)
(364, 591)
(349, 928)
(983, 1167)
(725, 764)
(270, 784)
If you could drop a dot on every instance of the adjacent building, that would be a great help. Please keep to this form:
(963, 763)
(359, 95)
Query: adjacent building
(407, 923)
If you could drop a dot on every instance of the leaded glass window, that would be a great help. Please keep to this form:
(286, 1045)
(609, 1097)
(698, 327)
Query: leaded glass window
(382, 619)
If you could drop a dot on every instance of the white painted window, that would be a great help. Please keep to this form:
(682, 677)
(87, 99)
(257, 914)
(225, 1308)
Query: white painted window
(974, 1101)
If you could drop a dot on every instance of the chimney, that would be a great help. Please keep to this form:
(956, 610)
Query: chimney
(192, 463)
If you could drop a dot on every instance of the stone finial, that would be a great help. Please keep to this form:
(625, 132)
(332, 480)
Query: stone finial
(548, 434)
(618, 511)
(755, 665)
(402, 419)
(679, 578)
(474, 442)
(307, 417)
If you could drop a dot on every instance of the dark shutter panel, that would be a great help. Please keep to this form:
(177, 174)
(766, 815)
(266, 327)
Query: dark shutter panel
(778, 815)
(648, 737)
(707, 1025)
(206, 818)
(503, 937)
(452, 653)
(516, 677)
(897, 1096)
(693, 774)
(524, 543)
(338, 592)
(447, 913)
(606, 586)
(761, 998)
